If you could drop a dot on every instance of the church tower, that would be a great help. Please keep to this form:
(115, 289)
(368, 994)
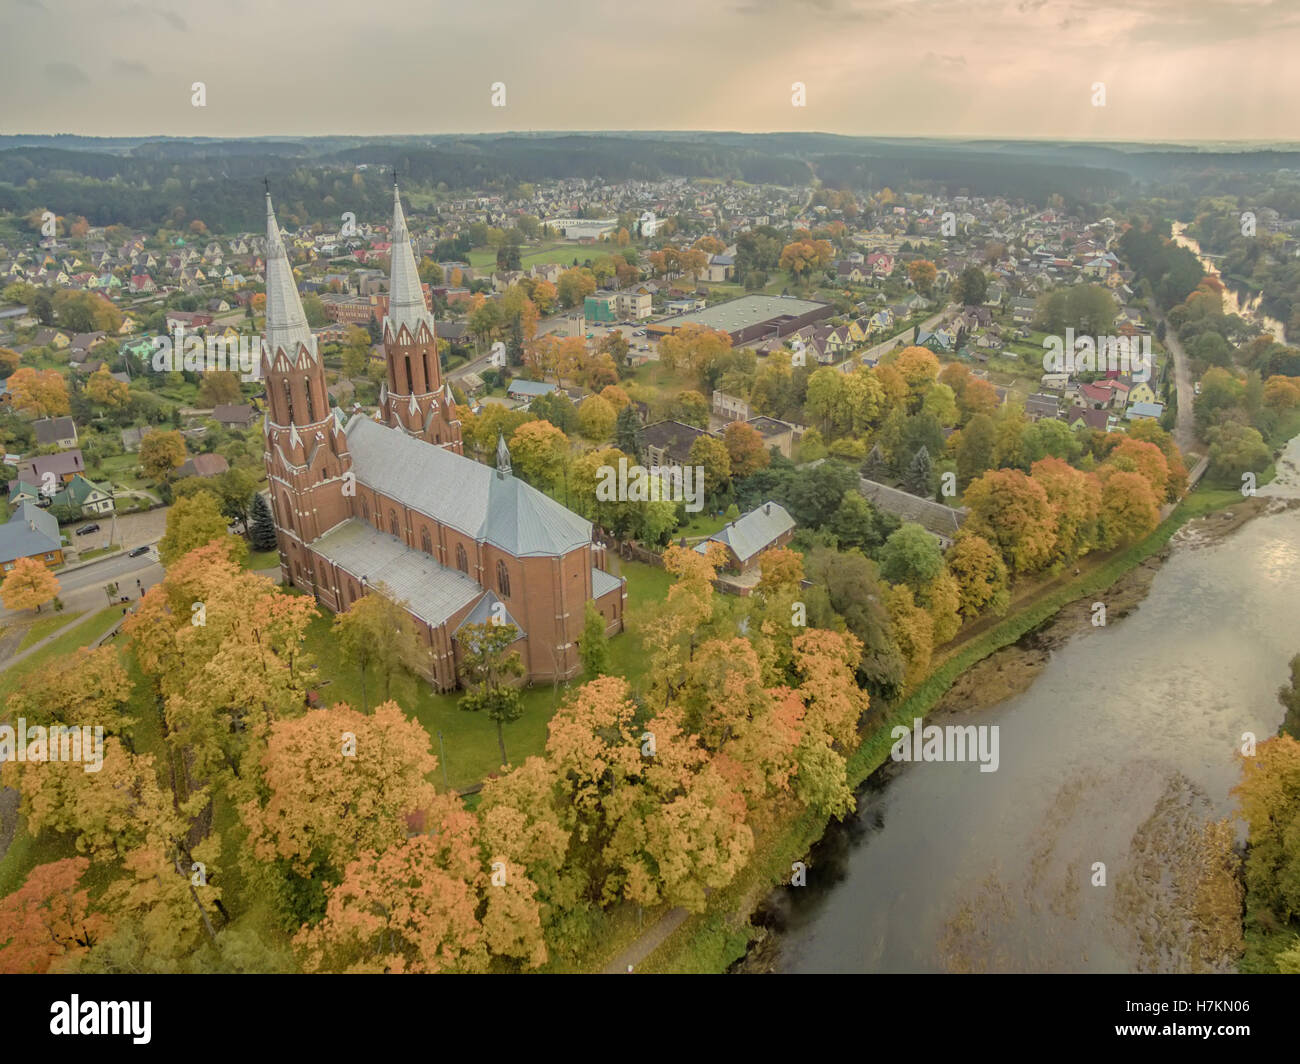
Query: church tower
(413, 399)
(306, 449)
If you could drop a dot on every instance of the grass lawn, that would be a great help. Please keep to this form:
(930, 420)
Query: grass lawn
(99, 551)
(46, 626)
(469, 741)
(701, 524)
(86, 632)
(263, 559)
(561, 253)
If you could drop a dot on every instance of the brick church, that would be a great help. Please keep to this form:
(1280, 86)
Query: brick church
(390, 499)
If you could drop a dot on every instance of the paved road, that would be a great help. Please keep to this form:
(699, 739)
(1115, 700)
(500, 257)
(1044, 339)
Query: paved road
(1184, 427)
(82, 590)
(651, 939)
(885, 346)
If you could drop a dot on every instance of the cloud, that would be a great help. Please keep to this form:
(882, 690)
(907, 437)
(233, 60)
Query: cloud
(144, 11)
(130, 68)
(66, 73)
(951, 61)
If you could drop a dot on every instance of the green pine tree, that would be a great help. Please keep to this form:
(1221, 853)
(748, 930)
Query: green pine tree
(628, 437)
(917, 478)
(261, 531)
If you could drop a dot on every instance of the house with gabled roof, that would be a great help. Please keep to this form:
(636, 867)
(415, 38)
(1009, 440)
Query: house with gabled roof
(764, 528)
(30, 532)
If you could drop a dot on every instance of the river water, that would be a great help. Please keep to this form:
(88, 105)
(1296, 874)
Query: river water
(1125, 743)
(1243, 304)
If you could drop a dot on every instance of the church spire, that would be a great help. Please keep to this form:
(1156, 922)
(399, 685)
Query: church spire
(405, 295)
(286, 322)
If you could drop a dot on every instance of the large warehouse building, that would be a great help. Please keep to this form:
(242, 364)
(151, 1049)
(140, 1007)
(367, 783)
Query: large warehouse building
(750, 318)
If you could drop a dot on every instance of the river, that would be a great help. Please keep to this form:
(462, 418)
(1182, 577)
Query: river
(1247, 306)
(1127, 739)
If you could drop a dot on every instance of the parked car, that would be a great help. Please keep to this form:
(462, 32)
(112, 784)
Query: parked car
(137, 552)
(85, 530)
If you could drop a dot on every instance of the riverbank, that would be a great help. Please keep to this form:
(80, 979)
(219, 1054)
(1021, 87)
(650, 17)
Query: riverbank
(715, 940)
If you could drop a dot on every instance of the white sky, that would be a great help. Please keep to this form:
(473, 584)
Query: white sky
(1173, 69)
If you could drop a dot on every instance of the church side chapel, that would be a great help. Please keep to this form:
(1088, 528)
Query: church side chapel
(362, 501)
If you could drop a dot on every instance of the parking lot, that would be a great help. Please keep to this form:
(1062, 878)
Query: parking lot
(133, 530)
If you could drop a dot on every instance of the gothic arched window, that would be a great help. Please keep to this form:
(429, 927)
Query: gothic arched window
(311, 407)
(392, 522)
(462, 559)
(288, 398)
(503, 580)
(365, 508)
(425, 542)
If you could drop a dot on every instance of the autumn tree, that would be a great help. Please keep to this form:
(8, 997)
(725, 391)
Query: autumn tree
(922, 273)
(538, 451)
(487, 667)
(981, 576)
(1269, 803)
(701, 351)
(1129, 509)
(161, 454)
(335, 783)
(1075, 499)
(194, 522)
(745, 449)
(219, 387)
(596, 418)
(710, 454)
(376, 630)
(223, 648)
(29, 584)
(86, 688)
(103, 390)
(1013, 513)
(46, 924)
(40, 393)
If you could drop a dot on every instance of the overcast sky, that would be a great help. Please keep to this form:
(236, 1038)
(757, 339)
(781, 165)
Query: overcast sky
(1172, 69)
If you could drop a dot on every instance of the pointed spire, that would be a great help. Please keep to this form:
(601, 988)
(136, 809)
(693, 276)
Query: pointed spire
(503, 454)
(405, 296)
(413, 406)
(286, 323)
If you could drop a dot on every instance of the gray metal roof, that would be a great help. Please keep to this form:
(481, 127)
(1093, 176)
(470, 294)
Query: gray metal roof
(483, 613)
(405, 295)
(602, 583)
(933, 516)
(286, 322)
(754, 532)
(30, 531)
(461, 493)
(431, 591)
